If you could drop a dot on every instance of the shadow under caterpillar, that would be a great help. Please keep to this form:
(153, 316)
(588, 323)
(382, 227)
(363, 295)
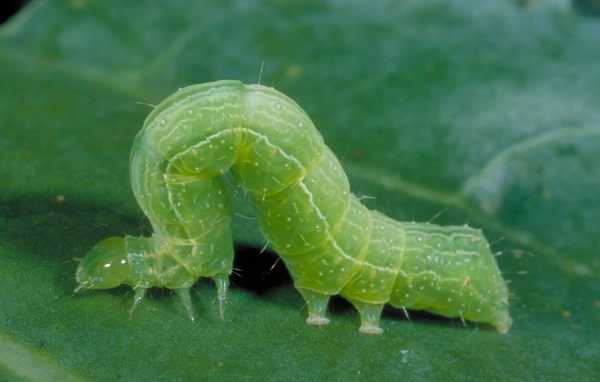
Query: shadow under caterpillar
(330, 243)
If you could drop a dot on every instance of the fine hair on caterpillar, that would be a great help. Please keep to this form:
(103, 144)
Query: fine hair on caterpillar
(330, 243)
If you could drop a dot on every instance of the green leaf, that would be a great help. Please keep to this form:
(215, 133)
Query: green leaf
(483, 113)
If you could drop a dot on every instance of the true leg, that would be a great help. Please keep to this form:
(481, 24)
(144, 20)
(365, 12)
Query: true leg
(184, 293)
(137, 298)
(222, 282)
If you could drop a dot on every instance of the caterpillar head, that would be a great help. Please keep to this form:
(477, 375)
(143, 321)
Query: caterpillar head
(105, 266)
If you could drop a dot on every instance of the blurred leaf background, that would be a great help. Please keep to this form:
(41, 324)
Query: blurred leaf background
(479, 112)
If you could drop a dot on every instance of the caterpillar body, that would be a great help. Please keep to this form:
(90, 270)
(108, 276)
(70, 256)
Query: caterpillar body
(330, 243)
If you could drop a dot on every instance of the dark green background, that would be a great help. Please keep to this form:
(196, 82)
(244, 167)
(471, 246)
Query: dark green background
(481, 112)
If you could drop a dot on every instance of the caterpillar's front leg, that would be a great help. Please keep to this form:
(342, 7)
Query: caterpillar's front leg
(200, 230)
(138, 297)
(222, 281)
(184, 294)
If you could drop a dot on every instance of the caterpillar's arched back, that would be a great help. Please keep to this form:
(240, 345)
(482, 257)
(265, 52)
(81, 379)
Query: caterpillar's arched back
(329, 241)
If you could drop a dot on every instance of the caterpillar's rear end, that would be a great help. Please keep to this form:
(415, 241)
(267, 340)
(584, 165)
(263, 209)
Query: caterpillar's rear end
(447, 270)
(450, 271)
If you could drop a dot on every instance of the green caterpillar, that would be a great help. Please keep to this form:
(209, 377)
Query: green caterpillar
(330, 242)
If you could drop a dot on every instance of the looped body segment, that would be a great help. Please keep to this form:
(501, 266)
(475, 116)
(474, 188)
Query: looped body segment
(330, 243)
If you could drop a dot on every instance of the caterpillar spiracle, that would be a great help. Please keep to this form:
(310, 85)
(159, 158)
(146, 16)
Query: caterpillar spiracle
(330, 243)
